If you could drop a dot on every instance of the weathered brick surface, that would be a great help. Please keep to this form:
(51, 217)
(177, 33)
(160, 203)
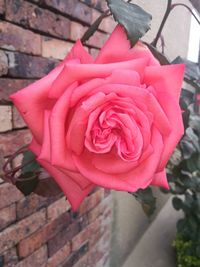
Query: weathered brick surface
(98, 39)
(62, 238)
(7, 216)
(19, 39)
(73, 8)
(36, 231)
(38, 258)
(12, 141)
(5, 118)
(3, 63)
(98, 4)
(33, 242)
(9, 86)
(31, 204)
(34, 17)
(60, 256)
(2, 7)
(17, 120)
(57, 208)
(77, 30)
(48, 48)
(13, 234)
(9, 194)
(26, 66)
(10, 257)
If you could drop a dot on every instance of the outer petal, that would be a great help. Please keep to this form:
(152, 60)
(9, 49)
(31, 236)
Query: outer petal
(81, 72)
(113, 52)
(79, 52)
(33, 100)
(66, 163)
(167, 79)
(174, 114)
(160, 179)
(71, 190)
(60, 155)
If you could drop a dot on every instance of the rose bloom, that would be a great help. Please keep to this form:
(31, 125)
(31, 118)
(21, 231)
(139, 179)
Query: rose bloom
(112, 122)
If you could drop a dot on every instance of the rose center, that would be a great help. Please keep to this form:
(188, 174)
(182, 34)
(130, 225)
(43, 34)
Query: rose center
(115, 130)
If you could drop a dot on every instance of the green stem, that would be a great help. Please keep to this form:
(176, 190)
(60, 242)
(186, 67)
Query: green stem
(183, 5)
(167, 12)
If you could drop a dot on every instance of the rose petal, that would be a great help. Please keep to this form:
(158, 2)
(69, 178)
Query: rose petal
(60, 154)
(33, 100)
(79, 52)
(166, 79)
(113, 52)
(73, 192)
(160, 179)
(80, 72)
(139, 177)
(174, 115)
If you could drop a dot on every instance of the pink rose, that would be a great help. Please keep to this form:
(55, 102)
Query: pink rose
(112, 122)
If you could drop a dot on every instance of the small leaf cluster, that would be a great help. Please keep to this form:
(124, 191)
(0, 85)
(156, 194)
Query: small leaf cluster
(184, 253)
(184, 174)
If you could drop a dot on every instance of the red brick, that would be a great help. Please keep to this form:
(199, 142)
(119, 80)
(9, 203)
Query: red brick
(107, 25)
(94, 52)
(2, 6)
(11, 142)
(9, 86)
(15, 233)
(5, 118)
(75, 256)
(98, 39)
(34, 17)
(60, 256)
(38, 258)
(91, 201)
(98, 4)
(77, 30)
(3, 63)
(26, 66)
(9, 194)
(95, 213)
(57, 208)
(30, 204)
(7, 216)
(62, 238)
(18, 122)
(10, 257)
(48, 231)
(19, 39)
(73, 8)
(49, 45)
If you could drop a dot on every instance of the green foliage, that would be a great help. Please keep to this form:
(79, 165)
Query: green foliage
(28, 156)
(135, 20)
(147, 200)
(34, 179)
(184, 175)
(185, 252)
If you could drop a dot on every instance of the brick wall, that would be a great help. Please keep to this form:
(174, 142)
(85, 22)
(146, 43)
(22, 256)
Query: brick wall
(35, 231)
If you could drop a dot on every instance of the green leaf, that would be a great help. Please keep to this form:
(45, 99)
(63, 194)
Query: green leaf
(135, 20)
(147, 200)
(28, 156)
(192, 71)
(47, 187)
(177, 203)
(27, 183)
